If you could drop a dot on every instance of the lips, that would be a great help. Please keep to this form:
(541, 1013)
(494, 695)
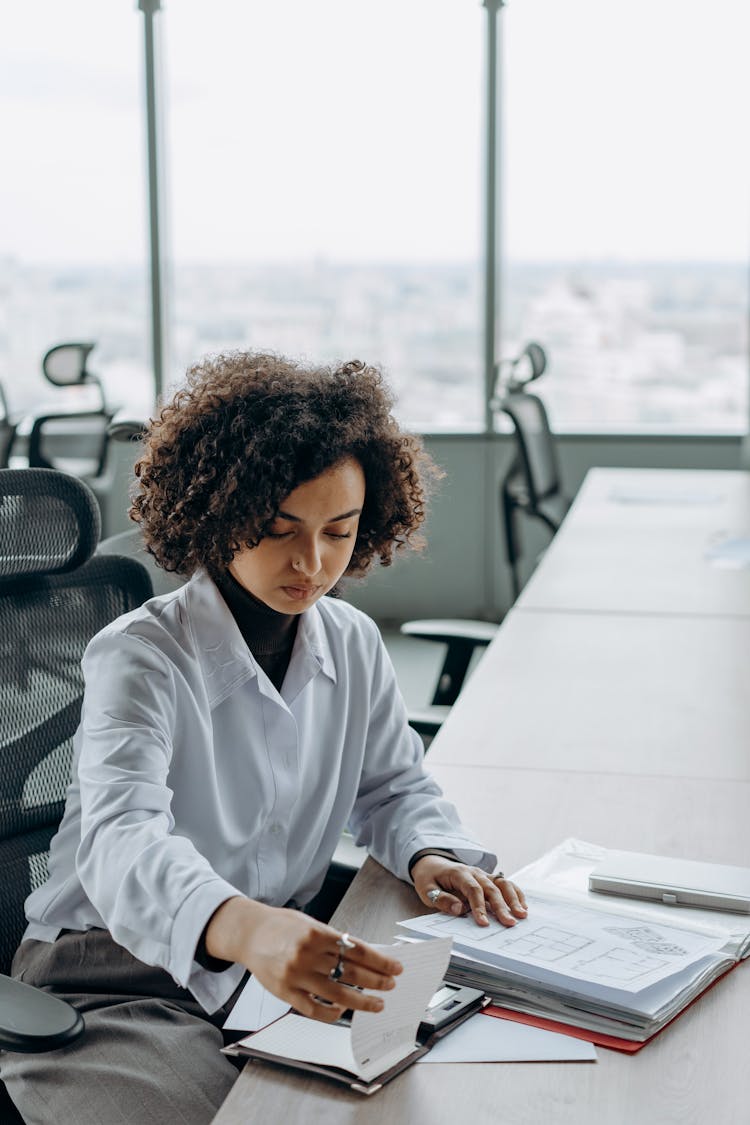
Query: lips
(300, 593)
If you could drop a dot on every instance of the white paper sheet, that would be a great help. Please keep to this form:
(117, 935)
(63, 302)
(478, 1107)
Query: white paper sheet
(569, 941)
(255, 1007)
(730, 552)
(668, 497)
(488, 1039)
(380, 1039)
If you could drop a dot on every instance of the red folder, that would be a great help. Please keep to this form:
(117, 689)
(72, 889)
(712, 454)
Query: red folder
(597, 1037)
(600, 1038)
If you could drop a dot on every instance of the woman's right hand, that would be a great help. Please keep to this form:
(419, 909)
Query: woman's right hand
(292, 955)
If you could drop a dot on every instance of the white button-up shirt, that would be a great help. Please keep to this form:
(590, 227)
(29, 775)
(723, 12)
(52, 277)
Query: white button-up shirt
(195, 780)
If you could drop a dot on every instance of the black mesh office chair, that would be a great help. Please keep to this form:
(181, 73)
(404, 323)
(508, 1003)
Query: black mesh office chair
(53, 598)
(7, 430)
(532, 485)
(66, 365)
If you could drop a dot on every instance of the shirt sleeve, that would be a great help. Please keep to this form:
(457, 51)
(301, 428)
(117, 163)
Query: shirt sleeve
(153, 890)
(400, 809)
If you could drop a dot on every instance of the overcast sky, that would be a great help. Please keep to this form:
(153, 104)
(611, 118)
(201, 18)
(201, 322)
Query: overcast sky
(352, 129)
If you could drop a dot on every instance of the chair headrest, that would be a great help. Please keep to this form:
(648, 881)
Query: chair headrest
(49, 522)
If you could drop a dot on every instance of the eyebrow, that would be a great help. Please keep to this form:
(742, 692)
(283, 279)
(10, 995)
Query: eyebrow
(334, 519)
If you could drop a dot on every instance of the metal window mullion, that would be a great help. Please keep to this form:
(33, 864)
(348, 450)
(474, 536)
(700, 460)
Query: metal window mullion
(150, 8)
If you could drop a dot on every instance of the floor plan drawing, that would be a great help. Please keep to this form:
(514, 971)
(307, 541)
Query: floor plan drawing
(643, 937)
(620, 965)
(564, 940)
(546, 943)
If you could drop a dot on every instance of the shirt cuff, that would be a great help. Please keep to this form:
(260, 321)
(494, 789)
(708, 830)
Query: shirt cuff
(189, 923)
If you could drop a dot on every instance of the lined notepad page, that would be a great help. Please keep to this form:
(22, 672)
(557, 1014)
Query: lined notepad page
(297, 1037)
(376, 1040)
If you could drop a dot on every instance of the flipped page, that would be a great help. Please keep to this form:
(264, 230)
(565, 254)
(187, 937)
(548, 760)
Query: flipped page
(375, 1041)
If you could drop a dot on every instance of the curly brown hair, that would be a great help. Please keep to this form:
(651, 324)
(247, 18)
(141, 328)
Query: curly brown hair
(245, 430)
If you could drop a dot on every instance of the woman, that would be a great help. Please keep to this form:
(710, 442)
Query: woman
(229, 732)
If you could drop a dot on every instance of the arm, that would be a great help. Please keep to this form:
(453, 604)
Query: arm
(151, 885)
(293, 955)
(400, 810)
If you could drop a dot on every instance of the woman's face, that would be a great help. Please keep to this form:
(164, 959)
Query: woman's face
(309, 544)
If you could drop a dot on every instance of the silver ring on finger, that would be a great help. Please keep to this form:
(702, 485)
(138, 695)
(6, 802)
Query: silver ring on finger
(498, 877)
(338, 970)
(434, 895)
(321, 1001)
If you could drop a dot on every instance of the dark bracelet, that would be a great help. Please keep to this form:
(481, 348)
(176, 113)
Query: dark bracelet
(444, 853)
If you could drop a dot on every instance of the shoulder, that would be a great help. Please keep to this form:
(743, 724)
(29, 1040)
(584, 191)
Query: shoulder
(159, 626)
(342, 617)
(163, 614)
(351, 637)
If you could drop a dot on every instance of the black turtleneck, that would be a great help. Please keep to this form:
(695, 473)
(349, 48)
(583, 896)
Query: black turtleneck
(268, 634)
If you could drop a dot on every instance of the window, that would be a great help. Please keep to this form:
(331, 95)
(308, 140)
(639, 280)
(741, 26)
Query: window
(627, 221)
(325, 189)
(73, 242)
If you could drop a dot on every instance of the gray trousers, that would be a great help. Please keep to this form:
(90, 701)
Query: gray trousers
(149, 1053)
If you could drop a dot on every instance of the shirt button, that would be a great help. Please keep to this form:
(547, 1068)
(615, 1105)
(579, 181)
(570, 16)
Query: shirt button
(275, 829)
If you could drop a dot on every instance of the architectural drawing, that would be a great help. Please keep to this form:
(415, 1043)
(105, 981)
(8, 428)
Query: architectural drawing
(643, 937)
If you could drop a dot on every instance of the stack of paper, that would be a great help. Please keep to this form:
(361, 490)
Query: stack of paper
(621, 968)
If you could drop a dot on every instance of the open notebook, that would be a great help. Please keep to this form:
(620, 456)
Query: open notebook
(375, 1046)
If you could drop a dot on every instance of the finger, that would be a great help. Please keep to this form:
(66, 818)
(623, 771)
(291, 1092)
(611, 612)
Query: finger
(445, 902)
(365, 957)
(474, 893)
(498, 905)
(306, 1005)
(342, 996)
(357, 977)
(521, 896)
(513, 896)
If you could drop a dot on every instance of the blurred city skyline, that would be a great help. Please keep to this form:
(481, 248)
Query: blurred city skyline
(641, 348)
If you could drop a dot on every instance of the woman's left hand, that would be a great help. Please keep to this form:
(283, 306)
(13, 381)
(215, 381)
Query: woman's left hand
(465, 889)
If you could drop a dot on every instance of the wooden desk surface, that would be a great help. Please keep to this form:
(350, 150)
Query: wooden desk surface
(636, 541)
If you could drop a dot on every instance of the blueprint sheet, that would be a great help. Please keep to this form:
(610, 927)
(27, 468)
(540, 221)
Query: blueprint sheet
(592, 945)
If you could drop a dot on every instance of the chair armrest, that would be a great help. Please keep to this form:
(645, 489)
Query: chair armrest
(461, 638)
(449, 629)
(428, 720)
(36, 458)
(33, 1020)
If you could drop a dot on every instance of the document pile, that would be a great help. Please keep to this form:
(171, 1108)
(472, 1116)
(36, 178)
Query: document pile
(620, 968)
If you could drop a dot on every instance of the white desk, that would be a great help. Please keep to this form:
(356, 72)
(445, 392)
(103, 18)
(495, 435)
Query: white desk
(636, 540)
(628, 726)
(615, 693)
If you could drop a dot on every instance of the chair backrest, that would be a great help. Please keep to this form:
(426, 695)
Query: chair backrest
(536, 451)
(7, 430)
(53, 598)
(54, 435)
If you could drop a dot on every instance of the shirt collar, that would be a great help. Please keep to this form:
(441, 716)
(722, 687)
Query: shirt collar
(226, 661)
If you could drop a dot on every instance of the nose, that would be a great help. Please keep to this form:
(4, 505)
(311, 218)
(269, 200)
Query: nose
(307, 559)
